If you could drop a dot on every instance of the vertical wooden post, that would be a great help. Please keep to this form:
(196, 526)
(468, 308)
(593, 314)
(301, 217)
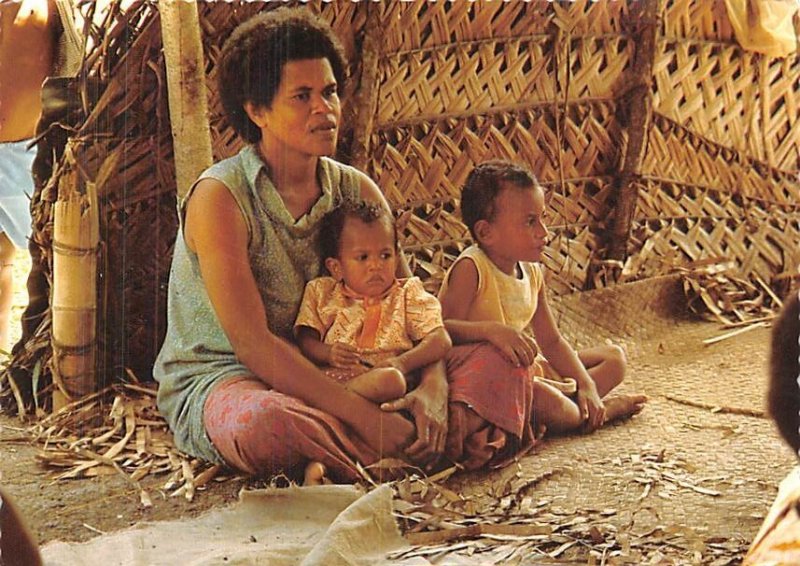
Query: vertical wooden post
(188, 96)
(638, 98)
(365, 100)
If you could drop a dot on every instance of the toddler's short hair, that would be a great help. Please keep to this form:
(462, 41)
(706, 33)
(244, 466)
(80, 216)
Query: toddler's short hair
(484, 184)
(332, 224)
(253, 57)
(784, 390)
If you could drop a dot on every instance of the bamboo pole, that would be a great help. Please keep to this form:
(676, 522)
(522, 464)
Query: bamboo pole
(638, 99)
(76, 233)
(188, 99)
(365, 101)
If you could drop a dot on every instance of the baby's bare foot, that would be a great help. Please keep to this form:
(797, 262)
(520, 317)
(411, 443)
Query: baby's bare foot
(315, 474)
(621, 406)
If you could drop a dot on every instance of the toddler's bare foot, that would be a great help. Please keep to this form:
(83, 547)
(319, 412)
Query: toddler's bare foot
(539, 431)
(621, 406)
(315, 474)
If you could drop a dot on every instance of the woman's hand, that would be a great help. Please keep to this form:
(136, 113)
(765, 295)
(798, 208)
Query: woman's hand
(428, 407)
(517, 347)
(343, 356)
(591, 406)
(387, 433)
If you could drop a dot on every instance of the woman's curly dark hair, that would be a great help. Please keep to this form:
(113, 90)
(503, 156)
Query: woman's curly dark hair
(253, 57)
(332, 225)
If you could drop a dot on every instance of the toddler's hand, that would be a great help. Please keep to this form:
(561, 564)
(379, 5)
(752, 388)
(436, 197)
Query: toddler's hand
(343, 356)
(592, 409)
(517, 347)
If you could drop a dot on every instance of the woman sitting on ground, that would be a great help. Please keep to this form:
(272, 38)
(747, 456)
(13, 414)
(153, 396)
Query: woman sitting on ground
(232, 384)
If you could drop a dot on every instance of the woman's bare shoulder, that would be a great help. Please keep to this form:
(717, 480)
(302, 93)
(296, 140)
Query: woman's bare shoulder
(210, 206)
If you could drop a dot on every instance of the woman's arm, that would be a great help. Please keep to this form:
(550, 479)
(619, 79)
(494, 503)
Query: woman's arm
(338, 355)
(565, 361)
(216, 231)
(312, 347)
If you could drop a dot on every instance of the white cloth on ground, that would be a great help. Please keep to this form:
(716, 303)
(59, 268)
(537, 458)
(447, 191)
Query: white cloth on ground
(308, 526)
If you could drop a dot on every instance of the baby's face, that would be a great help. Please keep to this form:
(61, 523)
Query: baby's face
(519, 223)
(367, 259)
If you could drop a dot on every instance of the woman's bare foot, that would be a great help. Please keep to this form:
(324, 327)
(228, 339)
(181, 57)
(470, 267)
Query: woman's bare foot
(621, 406)
(315, 474)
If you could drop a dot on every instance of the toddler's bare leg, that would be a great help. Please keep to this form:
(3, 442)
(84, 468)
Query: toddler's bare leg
(554, 410)
(379, 384)
(621, 406)
(606, 366)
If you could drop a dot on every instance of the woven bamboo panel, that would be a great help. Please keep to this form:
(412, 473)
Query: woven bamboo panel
(680, 155)
(779, 83)
(137, 229)
(431, 160)
(414, 25)
(469, 76)
(578, 203)
(568, 258)
(677, 225)
(753, 249)
(671, 200)
(707, 87)
(697, 19)
(738, 99)
(482, 75)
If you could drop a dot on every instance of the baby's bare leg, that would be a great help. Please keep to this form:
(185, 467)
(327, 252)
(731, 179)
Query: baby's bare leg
(606, 365)
(379, 384)
(554, 410)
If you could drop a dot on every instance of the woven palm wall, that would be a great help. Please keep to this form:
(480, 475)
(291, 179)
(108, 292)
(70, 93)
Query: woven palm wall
(440, 86)
(548, 84)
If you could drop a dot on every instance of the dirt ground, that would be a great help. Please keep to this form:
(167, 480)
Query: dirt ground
(693, 482)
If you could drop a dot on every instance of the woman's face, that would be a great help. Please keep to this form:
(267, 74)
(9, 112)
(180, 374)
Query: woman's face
(305, 112)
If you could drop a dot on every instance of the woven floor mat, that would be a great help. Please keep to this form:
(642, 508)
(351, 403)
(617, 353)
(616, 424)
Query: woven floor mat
(730, 375)
(625, 314)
